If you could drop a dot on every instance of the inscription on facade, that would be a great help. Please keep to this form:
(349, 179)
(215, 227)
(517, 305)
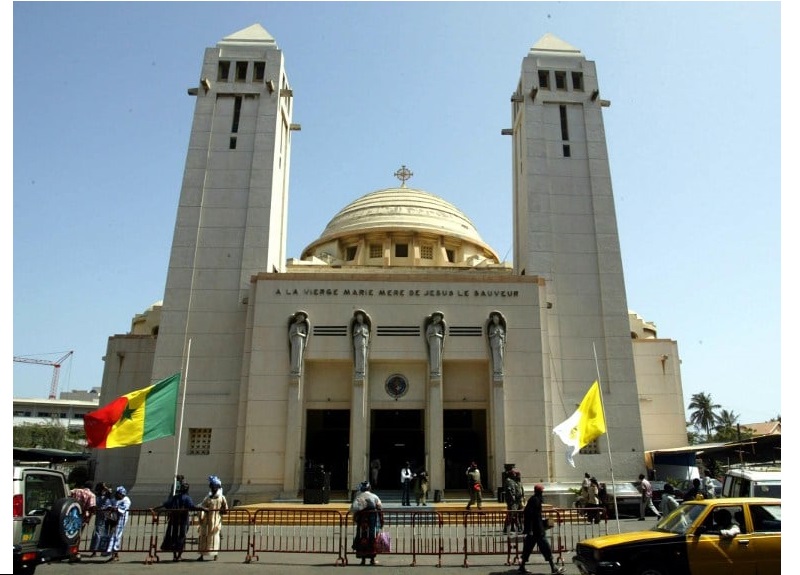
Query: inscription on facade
(389, 292)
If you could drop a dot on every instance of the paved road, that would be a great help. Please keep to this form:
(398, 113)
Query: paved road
(306, 564)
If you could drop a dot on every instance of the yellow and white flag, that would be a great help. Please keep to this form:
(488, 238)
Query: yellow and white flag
(583, 426)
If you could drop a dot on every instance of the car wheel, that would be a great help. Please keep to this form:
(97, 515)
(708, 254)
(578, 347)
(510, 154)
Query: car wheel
(62, 525)
(651, 568)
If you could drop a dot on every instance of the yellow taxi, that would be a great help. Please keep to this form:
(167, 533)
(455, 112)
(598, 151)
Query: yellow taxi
(727, 536)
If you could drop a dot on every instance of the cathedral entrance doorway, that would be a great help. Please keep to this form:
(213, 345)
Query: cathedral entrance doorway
(398, 435)
(464, 442)
(328, 443)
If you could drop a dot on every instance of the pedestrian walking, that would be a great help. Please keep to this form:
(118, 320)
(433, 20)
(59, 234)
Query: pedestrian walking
(421, 487)
(179, 505)
(593, 501)
(535, 532)
(514, 496)
(100, 533)
(87, 499)
(212, 508)
(668, 501)
(374, 470)
(368, 519)
(116, 520)
(647, 498)
(474, 487)
(406, 476)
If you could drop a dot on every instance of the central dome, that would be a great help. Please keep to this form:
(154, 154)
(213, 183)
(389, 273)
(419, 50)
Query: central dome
(401, 209)
(400, 215)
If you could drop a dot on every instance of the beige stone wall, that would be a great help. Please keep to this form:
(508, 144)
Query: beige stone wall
(658, 376)
(128, 366)
(565, 232)
(327, 380)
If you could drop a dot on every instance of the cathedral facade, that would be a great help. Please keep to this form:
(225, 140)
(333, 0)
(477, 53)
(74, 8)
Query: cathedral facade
(398, 335)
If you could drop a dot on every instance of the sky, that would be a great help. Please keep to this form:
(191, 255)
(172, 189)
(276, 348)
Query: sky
(102, 118)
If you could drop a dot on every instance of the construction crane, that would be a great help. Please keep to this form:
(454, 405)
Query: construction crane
(56, 368)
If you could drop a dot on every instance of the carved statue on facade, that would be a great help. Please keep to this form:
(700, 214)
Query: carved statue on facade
(435, 331)
(496, 332)
(360, 330)
(298, 337)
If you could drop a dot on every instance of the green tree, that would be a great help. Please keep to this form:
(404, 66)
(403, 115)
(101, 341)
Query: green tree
(704, 414)
(691, 436)
(726, 427)
(48, 436)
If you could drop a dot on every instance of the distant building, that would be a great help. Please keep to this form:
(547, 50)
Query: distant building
(68, 410)
(762, 428)
(398, 334)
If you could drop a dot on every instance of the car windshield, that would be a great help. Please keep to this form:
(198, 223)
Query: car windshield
(679, 520)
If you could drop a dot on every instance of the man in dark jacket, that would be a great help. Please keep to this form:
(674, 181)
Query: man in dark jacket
(696, 491)
(535, 532)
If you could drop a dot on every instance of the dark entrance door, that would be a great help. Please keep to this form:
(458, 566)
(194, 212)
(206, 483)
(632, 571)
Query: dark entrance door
(328, 443)
(398, 435)
(464, 442)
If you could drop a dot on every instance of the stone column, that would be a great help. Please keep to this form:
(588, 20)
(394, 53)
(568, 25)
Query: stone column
(434, 437)
(359, 434)
(498, 426)
(292, 464)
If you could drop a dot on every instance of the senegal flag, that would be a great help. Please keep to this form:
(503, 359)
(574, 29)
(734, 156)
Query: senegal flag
(139, 416)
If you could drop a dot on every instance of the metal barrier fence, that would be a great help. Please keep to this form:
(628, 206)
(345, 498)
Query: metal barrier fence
(256, 532)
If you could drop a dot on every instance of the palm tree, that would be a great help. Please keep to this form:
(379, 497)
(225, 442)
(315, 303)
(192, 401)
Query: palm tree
(726, 425)
(704, 415)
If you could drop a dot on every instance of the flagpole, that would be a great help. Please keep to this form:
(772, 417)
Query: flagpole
(608, 438)
(180, 421)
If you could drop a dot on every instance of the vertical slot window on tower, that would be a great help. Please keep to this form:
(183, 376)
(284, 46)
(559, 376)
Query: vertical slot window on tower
(241, 71)
(232, 143)
(258, 71)
(561, 80)
(544, 79)
(577, 81)
(562, 112)
(237, 113)
(223, 70)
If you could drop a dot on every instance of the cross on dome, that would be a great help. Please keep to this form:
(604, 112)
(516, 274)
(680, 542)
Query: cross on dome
(403, 174)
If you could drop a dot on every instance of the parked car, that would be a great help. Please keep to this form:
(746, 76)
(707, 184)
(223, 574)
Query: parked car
(751, 483)
(627, 496)
(658, 491)
(47, 522)
(688, 542)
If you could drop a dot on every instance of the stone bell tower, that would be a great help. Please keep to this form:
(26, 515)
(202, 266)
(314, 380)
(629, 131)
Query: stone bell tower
(565, 231)
(230, 225)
